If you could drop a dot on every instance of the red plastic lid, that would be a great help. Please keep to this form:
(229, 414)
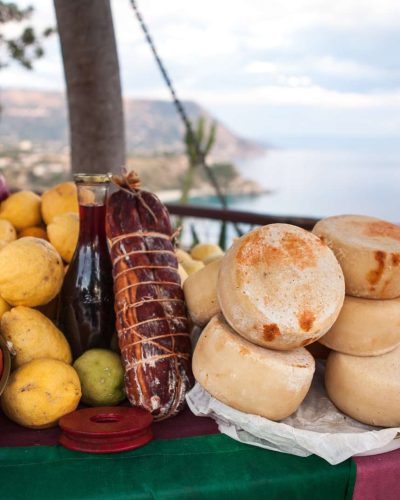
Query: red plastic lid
(106, 429)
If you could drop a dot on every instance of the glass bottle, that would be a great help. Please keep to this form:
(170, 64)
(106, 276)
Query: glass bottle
(86, 306)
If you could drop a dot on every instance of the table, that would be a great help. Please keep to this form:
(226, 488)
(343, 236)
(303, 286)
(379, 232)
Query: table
(187, 459)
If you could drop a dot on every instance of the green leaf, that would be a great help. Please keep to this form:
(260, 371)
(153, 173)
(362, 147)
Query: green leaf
(28, 36)
(200, 131)
(211, 138)
(49, 31)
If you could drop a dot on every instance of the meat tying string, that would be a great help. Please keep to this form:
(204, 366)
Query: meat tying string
(152, 327)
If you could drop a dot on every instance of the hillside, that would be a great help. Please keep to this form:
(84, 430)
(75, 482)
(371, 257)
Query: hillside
(152, 127)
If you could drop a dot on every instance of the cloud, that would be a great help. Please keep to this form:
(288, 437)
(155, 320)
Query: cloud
(297, 54)
(295, 94)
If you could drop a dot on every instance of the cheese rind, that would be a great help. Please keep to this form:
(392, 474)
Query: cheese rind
(200, 291)
(365, 327)
(280, 287)
(366, 388)
(250, 378)
(368, 250)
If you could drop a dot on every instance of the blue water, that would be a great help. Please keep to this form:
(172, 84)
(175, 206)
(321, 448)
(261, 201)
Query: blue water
(324, 182)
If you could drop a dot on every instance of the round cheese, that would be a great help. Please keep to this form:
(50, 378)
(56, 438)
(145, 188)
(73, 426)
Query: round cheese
(250, 378)
(366, 388)
(365, 327)
(200, 291)
(280, 287)
(368, 250)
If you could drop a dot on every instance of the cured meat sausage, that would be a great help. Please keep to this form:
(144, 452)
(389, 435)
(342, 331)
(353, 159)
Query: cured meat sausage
(150, 311)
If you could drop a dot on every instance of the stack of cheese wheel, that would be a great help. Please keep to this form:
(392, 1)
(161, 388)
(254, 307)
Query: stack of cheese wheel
(277, 289)
(362, 377)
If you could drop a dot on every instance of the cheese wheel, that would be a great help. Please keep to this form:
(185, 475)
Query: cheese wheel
(368, 250)
(200, 291)
(280, 287)
(250, 378)
(366, 388)
(365, 327)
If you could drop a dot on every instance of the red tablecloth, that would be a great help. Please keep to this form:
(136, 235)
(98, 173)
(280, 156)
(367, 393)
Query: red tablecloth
(378, 477)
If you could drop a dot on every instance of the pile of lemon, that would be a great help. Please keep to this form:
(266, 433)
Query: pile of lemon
(198, 257)
(38, 235)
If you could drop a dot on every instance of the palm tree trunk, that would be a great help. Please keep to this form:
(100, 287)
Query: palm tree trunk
(93, 85)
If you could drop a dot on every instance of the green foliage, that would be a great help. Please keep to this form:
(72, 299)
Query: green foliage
(196, 147)
(25, 48)
(225, 174)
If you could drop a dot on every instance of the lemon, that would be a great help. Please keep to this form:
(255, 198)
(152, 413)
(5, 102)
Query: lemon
(22, 209)
(31, 336)
(40, 392)
(7, 232)
(63, 232)
(59, 200)
(206, 252)
(31, 272)
(188, 264)
(102, 377)
(182, 256)
(182, 273)
(191, 266)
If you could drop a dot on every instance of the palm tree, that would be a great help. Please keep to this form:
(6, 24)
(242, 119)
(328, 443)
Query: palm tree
(93, 85)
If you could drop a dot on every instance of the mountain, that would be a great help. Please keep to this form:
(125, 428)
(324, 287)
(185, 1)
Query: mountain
(152, 126)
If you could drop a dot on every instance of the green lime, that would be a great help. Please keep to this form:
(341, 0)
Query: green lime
(102, 377)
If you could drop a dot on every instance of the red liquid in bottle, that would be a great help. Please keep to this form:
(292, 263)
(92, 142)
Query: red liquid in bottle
(86, 308)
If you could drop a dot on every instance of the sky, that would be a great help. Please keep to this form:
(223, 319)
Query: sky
(271, 70)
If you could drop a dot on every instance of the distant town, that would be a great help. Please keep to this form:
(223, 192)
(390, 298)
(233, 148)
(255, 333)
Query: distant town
(34, 150)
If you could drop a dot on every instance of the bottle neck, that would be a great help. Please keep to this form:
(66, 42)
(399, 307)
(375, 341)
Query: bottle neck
(92, 211)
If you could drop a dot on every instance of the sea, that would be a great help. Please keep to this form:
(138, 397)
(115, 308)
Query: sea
(355, 178)
(322, 179)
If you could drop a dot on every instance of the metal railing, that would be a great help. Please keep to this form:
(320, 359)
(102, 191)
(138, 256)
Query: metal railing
(238, 216)
(217, 225)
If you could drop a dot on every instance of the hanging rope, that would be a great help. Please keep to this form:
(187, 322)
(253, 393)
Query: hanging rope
(179, 107)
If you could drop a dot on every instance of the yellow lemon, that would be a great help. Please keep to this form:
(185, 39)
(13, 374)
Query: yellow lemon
(22, 209)
(40, 392)
(7, 231)
(59, 200)
(182, 273)
(31, 335)
(63, 232)
(206, 251)
(182, 256)
(191, 266)
(31, 272)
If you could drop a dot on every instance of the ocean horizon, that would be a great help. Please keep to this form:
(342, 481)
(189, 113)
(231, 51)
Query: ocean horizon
(357, 177)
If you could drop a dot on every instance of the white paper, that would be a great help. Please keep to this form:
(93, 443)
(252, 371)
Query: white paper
(317, 427)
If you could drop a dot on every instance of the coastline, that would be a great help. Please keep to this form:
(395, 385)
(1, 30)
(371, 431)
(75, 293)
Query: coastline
(173, 195)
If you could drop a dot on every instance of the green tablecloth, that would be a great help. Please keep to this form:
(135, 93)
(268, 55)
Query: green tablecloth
(206, 467)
